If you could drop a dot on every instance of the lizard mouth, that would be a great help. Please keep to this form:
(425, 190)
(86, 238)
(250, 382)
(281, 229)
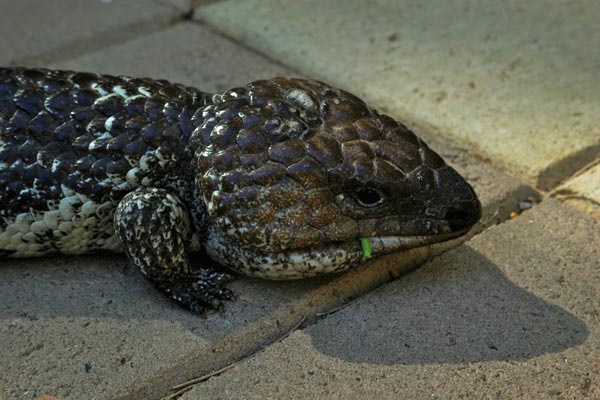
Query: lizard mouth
(313, 261)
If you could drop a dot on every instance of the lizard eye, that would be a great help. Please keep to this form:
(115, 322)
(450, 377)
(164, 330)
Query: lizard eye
(368, 197)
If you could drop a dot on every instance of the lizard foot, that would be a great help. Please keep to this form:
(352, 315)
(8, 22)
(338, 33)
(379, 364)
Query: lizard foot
(201, 290)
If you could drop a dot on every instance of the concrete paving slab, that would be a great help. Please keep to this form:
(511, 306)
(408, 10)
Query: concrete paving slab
(35, 32)
(186, 53)
(512, 314)
(583, 190)
(514, 81)
(91, 326)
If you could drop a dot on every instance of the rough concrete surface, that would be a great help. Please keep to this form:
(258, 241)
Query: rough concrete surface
(583, 190)
(34, 32)
(186, 53)
(512, 314)
(515, 81)
(92, 327)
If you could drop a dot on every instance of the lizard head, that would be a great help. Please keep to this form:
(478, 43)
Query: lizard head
(297, 169)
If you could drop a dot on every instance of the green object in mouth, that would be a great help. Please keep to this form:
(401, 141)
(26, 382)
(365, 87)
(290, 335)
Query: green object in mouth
(366, 247)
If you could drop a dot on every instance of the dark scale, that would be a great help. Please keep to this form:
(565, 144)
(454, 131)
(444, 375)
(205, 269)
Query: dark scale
(280, 179)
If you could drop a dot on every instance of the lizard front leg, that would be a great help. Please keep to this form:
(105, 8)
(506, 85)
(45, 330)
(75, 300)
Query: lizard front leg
(155, 229)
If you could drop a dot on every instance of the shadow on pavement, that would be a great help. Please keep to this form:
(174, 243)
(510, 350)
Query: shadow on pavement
(463, 309)
(106, 287)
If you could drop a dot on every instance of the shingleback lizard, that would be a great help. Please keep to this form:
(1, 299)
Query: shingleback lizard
(279, 179)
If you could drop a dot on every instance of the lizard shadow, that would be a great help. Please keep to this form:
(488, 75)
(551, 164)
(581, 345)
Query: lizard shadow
(453, 310)
(107, 287)
(448, 311)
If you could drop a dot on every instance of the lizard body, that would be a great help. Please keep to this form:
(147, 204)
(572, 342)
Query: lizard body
(279, 179)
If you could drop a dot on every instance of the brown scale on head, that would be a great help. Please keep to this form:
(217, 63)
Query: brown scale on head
(292, 164)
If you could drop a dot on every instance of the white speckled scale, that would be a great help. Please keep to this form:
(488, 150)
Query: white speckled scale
(77, 225)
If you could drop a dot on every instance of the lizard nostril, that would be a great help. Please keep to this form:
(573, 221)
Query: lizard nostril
(461, 217)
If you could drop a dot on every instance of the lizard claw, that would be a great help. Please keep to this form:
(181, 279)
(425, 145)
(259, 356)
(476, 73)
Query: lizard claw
(201, 291)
